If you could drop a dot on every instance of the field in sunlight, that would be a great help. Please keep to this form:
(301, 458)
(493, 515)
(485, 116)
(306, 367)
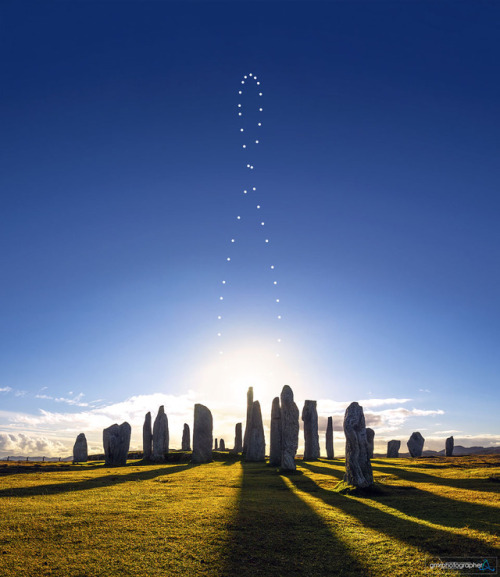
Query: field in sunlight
(229, 518)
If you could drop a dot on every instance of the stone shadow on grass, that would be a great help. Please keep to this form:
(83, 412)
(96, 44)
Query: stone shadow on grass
(413, 503)
(94, 483)
(316, 468)
(274, 533)
(418, 477)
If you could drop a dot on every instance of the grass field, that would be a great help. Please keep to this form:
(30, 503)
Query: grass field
(229, 518)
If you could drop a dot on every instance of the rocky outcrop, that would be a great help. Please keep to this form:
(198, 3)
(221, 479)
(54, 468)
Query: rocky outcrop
(393, 449)
(256, 448)
(116, 441)
(147, 438)
(311, 435)
(202, 435)
(160, 436)
(289, 429)
(358, 469)
(80, 450)
(275, 449)
(329, 439)
(186, 438)
(416, 444)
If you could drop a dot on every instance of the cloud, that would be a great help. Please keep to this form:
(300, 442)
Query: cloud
(20, 444)
(5, 389)
(423, 390)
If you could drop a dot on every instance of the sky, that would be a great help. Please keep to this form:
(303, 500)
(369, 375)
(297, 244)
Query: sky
(122, 174)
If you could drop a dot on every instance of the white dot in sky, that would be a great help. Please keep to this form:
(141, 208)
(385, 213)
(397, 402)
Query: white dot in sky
(242, 130)
(238, 217)
(240, 91)
(232, 240)
(258, 123)
(279, 340)
(272, 266)
(260, 93)
(262, 223)
(251, 168)
(244, 146)
(221, 298)
(239, 113)
(256, 142)
(279, 316)
(258, 83)
(275, 282)
(223, 282)
(245, 191)
(239, 105)
(254, 188)
(243, 82)
(277, 300)
(258, 206)
(220, 353)
(245, 77)
(267, 240)
(261, 109)
(219, 334)
(228, 259)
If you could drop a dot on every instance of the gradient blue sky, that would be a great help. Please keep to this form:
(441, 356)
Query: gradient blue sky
(121, 177)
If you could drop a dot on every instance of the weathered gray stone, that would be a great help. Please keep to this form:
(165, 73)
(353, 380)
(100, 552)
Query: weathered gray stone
(216, 445)
(415, 444)
(275, 449)
(370, 436)
(160, 436)
(202, 435)
(289, 429)
(450, 443)
(249, 418)
(358, 469)
(256, 449)
(329, 439)
(116, 441)
(147, 438)
(311, 436)
(393, 449)
(222, 445)
(186, 438)
(238, 443)
(80, 450)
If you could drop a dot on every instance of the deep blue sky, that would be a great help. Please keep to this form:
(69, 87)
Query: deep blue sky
(121, 173)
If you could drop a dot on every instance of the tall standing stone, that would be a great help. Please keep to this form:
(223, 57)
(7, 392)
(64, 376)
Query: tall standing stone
(289, 429)
(275, 449)
(450, 443)
(186, 438)
(116, 441)
(393, 449)
(222, 445)
(160, 436)
(249, 418)
(216, 445)
(415, 444)
(238, 443)
(358, 469)
(370, 436)
(202, 435)
(147, 438)
(329, 439)
(256, 448)
(80, 450)
(311, 436)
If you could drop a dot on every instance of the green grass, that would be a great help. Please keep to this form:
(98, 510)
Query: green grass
(237, 519)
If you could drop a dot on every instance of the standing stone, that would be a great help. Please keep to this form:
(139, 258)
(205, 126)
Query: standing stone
(450, 443)
(186, 438)
(222, 445)
(311, 436)
(80, 451)
(289, 429)
(238, 443)
(249, 418)
(416, 444)
(370, 435)
(216, 446)
(202, 435)
(393, 449)
(358, 469)
(329, 439)
(256, 449)
(160, 436)
(147, 438)
(275, 449)
(116, 441)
